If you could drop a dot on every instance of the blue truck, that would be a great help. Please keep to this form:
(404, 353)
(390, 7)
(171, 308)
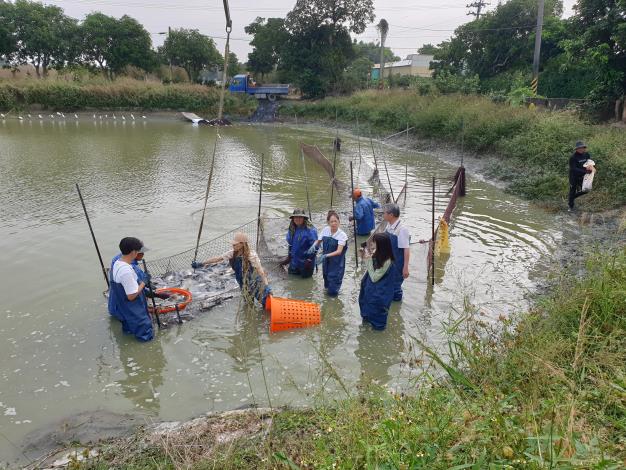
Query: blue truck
(245, 84)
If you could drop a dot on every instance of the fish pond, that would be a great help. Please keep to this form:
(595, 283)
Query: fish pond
(62, 355)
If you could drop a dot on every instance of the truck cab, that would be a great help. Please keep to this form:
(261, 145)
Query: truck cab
(246, 84)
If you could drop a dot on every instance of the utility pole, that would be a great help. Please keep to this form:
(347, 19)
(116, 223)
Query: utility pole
(535, 83)
(479, 5)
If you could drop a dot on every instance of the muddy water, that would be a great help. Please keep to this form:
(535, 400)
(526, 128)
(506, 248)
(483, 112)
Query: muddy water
(61, 354)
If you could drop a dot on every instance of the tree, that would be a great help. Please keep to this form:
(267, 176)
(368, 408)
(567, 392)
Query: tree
(191, 50)
(8, 45)
(427, 49)
(132, 46)
(98, 34)
(371, 50)
(383, 29)
(269, 38)
(45, 36)
(234, 67)
(307, 14)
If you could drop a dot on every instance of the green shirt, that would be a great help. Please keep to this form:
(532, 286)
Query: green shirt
(376, 274)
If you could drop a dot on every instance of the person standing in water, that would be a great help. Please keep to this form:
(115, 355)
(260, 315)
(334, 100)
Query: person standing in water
(400, 241)
(249, 272)
(377, 285)
(127, 301)
(333, 260)
(301, 235)
(363, 213)
(577, 172)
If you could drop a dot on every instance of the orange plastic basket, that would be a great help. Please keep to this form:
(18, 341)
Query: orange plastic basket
(286, 314)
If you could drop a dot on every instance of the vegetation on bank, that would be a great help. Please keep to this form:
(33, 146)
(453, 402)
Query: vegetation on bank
(121, 94)
(547, 390)
(532, 147)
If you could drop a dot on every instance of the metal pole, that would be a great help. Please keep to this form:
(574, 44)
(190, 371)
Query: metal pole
(432, 267)
(169, 36)
(206, 196)
(406, 180)
(93, 236)
(229, 28)
(154, 307)
(356, 248)
(332, 183)
(258, 224)
(536, 57)
(306, 184)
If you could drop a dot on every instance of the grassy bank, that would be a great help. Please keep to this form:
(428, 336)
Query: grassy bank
(123, 94)
(547, 391)
(532, 147)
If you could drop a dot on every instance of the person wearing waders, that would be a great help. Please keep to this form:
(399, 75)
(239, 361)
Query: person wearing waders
(400, 240)
(141, 277)
(127, 301)
(300, 237)
(334, 243)
(377, 284)
(249, 272)
(577, 172)
(363, 213)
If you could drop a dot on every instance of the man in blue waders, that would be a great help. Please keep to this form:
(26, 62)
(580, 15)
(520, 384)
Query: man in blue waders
(127, 301)
(141, 277)
(363, 213)
(400, 240)
(300, 237)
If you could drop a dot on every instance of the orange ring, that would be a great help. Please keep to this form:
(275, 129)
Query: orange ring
(172, 290)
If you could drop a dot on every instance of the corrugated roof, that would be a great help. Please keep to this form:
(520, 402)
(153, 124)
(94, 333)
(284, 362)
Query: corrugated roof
(415, 60)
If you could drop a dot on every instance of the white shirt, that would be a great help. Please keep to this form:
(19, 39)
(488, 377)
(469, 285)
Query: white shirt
(400, 231)
(339, 235)
(123, 273)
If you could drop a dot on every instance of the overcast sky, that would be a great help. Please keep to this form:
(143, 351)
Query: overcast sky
(412, 23)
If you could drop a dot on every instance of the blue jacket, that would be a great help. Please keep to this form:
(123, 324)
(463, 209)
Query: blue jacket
(299, 242)
(364, 215)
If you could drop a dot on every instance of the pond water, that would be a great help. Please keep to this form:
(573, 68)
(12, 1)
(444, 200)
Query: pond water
(60, 352)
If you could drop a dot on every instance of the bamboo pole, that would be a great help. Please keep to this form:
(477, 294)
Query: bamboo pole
(432, 267)
(356, 248)
(93, 236)
(258, 224)
(306, 183)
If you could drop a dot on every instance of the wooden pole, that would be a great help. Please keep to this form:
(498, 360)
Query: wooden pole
(154, 307)
(358, 142)
(432, 267)
(306, 184)
(332, 183)
(93, 236)
(258, 223)
(356, 248)
(406, 180)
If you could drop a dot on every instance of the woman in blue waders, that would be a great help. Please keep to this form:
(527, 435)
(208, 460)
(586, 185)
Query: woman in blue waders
(249, 272)
(127, 301)
(334, 245)
(301, 235)
(377, 285)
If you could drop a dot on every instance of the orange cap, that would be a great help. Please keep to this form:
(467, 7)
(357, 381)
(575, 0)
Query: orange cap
(356, 193)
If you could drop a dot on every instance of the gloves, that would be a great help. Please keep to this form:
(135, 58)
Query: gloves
(312, 250)
(162, 295)
(320, 259)
(196, 264)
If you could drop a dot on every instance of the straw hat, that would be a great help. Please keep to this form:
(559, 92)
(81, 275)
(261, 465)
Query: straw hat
(240, 238)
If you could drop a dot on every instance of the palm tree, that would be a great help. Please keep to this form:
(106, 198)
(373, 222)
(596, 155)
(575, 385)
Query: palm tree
(383, 29)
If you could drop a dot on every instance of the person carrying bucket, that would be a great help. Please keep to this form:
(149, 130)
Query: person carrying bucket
(577, 172)
(377, 285)
(334, 243)
(249, 272)
(363, 213)
(400, 241)
(301, 235)
(127, 301)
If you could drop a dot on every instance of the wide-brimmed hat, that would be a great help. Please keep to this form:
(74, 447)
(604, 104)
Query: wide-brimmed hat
(240, 237)
(298, 213)
(580, 145)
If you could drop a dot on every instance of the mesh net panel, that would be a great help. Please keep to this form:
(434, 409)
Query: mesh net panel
(314, 153)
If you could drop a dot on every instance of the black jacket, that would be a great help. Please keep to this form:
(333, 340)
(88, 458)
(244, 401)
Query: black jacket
(576, 168)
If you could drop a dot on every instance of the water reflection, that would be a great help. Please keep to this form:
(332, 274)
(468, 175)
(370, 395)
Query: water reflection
(143, 365)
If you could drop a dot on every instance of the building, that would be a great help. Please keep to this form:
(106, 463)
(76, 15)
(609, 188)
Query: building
(416, 65)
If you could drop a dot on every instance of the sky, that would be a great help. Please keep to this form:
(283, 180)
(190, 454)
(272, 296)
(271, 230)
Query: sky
(411, 23)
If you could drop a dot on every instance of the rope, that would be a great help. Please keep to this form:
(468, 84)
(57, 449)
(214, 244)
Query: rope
(206, 195)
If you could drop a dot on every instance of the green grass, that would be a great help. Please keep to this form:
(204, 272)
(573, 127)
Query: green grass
(545, 391)
(120, 94)
(532, 147)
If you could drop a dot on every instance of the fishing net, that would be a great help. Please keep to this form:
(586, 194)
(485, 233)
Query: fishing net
(314, 153)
